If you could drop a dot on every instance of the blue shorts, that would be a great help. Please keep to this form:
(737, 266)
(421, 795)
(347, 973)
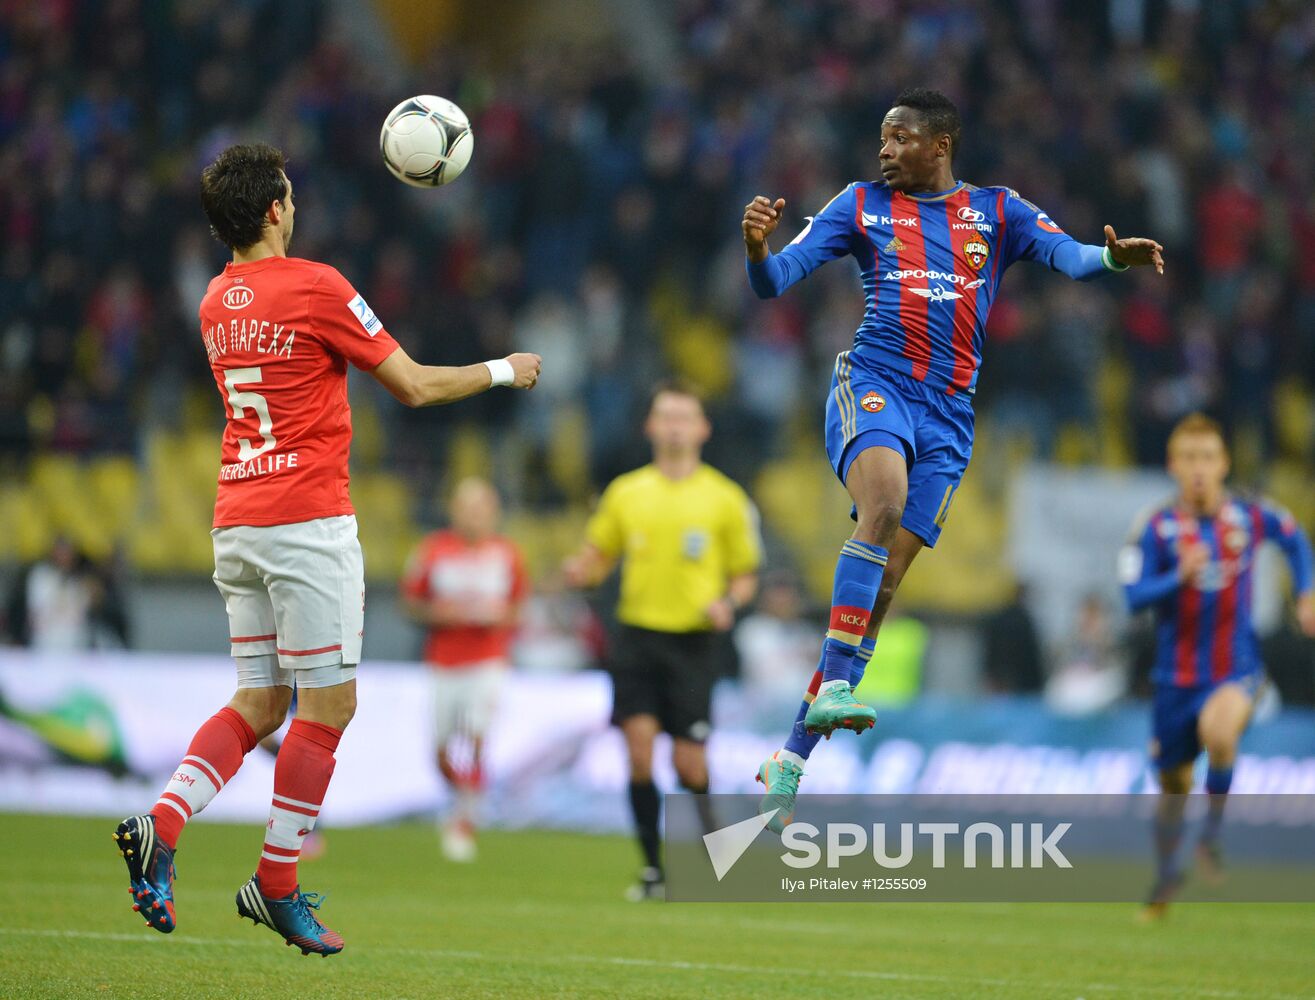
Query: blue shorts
(1176, 712)
(868, 406)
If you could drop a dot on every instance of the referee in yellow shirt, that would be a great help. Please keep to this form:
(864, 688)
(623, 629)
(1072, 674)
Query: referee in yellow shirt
(688, 543)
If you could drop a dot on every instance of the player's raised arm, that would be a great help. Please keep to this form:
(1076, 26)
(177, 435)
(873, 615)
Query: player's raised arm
(1149, 573)
(431, 385)
(1032, 235)
(588, 567)
(761, 217)
(1282, 529)
(827, 236)
(1135, 251)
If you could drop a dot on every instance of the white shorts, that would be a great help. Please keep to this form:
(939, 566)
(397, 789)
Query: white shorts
(465, 698)
(295, 591)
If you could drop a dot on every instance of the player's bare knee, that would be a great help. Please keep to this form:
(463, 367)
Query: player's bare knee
(1176, 781)
(332, 705)
(694, 781)
(878, 522)
(692, 774)
(1220, 748)
(344, 710)
(264, 709)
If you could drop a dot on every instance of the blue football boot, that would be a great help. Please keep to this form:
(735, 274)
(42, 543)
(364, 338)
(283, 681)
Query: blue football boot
(151, 871)
(290, 916)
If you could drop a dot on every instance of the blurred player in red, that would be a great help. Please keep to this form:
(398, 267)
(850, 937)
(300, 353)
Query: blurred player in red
(466, 586)
(279, 333)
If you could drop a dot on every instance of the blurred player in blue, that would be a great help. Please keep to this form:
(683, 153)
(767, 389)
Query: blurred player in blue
(1192, 561)
(899, 421)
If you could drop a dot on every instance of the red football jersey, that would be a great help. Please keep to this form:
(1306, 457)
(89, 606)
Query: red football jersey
(490, 574)
(278, 333)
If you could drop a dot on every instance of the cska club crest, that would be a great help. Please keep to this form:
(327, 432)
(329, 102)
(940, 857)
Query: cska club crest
(976, 250)
(873, 403)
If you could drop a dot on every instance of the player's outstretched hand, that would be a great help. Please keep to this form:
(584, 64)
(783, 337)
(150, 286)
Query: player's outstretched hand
(1306, 613)
(526, 367)
(722, 615)
(1136, 251)
(761, 217)
(1193, 557)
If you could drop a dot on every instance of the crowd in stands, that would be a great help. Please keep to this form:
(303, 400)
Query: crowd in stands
(599, 222)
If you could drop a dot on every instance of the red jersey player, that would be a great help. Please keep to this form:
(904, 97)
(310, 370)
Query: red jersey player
(466, 585)
(279, 333)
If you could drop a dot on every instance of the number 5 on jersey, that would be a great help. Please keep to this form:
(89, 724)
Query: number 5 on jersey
(253, 401)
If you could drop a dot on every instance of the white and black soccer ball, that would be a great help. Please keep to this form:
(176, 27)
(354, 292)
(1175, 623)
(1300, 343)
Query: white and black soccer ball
(426, 141)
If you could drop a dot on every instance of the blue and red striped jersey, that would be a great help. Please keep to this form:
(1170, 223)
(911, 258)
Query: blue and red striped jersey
(931, 266)
(1203, 628)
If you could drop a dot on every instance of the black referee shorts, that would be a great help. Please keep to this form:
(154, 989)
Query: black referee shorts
(666, 674)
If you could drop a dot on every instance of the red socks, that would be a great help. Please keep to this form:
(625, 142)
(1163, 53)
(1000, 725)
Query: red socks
(301, 777)
(213, 757)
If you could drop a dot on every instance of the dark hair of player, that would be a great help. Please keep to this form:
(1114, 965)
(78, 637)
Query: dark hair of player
(675, 387)
(937, 112)
(1196, 423)
(237, 189)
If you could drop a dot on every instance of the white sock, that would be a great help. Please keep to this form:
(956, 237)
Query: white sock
(791, 756)
(832, 685)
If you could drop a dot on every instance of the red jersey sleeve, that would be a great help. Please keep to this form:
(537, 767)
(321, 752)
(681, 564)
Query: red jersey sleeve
(520, 580)
(415, 578)
(345, 324)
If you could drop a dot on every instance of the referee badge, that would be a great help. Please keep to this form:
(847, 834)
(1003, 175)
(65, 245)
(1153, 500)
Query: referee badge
(873, 402)
(694, 544)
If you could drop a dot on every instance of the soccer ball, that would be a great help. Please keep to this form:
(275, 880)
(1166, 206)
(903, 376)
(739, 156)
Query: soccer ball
(426, 141)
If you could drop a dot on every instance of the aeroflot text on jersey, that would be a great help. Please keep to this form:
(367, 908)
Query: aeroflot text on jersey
(252, 334)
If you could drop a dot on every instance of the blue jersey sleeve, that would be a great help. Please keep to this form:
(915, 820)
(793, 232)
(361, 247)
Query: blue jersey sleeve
(1281, 527)
(828, 235)
(1147, 570)
(1031, 235)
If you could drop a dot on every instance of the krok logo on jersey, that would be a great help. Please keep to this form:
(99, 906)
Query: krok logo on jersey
(886, 220)
(976, 250)
(239, 297)
(873, 403)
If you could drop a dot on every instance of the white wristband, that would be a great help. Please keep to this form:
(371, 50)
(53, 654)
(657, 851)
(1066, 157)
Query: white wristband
(1110, 263)
(500, 371)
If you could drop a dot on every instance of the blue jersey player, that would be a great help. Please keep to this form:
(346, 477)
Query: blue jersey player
(1192, 562)
(899, 422)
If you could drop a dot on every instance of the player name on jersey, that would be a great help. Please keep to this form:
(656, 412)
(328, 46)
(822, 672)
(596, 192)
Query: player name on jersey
(248, 334)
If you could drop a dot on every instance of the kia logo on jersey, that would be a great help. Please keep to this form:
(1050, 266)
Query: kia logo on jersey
(239, 297)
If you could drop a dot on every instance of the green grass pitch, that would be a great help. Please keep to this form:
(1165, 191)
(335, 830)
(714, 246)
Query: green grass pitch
(541, 915)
